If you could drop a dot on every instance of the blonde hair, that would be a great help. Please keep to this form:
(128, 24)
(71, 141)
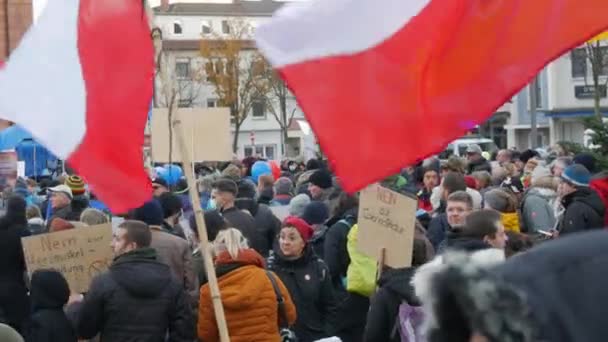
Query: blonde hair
(230, 240)
(32, 211)
(92, 217)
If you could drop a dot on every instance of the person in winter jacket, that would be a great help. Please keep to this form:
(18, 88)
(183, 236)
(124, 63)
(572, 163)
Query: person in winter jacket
(80, 199)
(283, 192)
(298, 204)
(224, 196)
(482, 229)
(599, 183)
(320, 185)
(14, 302)
(60, 203)
(394, 288)
(439, 225)
(35, 223)
(538, 203)
(535, 296)
(316, 214)
(137, 299)
(430, 181)
(266, 224)
(248, 296)
(214, 222)
(49, 293)
(172, 207)
(265, 189)
(584, 208)
(476, 161)
(506, 204)
(308, 280)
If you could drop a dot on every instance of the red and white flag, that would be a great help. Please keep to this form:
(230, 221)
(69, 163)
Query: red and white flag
(81, 82)
(387, 83)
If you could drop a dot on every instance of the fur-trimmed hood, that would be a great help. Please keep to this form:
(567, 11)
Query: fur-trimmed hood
(460, 294)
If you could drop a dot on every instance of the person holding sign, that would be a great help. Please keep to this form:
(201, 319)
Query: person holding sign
(308, 280)
(136, 299)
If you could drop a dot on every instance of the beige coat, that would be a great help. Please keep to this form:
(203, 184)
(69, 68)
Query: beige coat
(175, 252)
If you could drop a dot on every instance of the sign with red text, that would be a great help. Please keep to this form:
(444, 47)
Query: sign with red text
(387, 220)
(79, 254)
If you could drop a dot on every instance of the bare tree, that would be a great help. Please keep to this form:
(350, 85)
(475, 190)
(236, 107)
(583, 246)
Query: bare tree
(233, 69)
(597, 55)
(277, 95)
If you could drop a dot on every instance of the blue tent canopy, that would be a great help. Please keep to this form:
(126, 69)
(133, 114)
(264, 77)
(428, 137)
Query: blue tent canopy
(12, 136)
(38, 160)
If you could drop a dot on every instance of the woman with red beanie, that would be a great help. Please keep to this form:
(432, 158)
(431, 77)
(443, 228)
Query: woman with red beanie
(307, 279)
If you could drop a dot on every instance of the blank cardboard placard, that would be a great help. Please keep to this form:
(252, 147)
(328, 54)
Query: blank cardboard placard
(206, 132)
(79, 254)
(387, 220)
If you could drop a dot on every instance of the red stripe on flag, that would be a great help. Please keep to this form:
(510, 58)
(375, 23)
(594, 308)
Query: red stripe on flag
(116, 54)
(449, 68)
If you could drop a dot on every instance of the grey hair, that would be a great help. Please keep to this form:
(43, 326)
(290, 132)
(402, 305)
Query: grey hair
(230, 240)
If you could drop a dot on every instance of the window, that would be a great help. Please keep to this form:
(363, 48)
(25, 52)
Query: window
(182, 68)
(263, 151)
(258, 108)
(225, 27)
(206, 27)
(177, 28)
(578, 58)
(539, 94)
(211, 103)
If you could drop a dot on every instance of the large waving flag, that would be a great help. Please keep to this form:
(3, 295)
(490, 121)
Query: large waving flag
(386, 83)
(81, 83)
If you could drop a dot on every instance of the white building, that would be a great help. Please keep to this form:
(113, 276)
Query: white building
(566, 91)
(183, 24)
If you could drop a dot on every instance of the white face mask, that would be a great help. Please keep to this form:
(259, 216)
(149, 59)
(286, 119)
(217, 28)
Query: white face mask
(293, 167)
(211, 205)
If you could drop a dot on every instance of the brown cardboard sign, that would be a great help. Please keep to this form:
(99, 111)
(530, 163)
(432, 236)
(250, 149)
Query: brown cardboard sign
(387, 220)
(79, 254)
(206, 131)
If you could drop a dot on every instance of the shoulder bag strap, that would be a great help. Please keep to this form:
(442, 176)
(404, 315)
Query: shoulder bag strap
(280, 302)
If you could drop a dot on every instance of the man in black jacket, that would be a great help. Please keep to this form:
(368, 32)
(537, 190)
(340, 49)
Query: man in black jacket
(584, 208)
(136, 300)
(476, 161)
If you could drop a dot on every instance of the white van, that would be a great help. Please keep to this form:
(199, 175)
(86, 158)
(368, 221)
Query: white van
(458, 147)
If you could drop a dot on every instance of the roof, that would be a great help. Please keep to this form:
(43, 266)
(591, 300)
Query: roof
(237, 8)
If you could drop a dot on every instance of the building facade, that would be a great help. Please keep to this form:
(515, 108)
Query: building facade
(183, 25)
(566, 95)
(15, 19)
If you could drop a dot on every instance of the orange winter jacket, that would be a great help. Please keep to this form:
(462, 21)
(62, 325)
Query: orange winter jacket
(250, 304)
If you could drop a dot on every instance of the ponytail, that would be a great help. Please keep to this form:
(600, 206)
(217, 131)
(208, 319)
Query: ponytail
(230, 240)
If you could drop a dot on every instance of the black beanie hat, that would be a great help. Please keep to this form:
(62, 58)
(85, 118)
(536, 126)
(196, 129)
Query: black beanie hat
(322, 179)
(150, 213)
(316, 213)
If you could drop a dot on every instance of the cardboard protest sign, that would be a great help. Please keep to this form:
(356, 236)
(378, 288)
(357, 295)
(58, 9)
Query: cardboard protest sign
(281, 212)
(79, 254)
(387, 220)
(206, 131)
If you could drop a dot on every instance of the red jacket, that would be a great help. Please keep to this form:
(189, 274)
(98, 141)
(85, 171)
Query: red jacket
(600, 185)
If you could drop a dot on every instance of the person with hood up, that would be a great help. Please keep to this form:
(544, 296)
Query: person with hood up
(316, 214)
(535, 296)
(49, 292)
(14, 302)
(506, 204)
(283, 192)
(476, 161)
(308, 280)
(394, 288)
(584, 208)
(248, 295)
(539, 201)
(137, 299)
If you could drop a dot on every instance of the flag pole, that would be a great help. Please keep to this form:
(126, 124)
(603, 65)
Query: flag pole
(194, 196)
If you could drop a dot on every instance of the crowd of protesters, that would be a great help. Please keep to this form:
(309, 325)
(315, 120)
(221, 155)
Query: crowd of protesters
(301, 276)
